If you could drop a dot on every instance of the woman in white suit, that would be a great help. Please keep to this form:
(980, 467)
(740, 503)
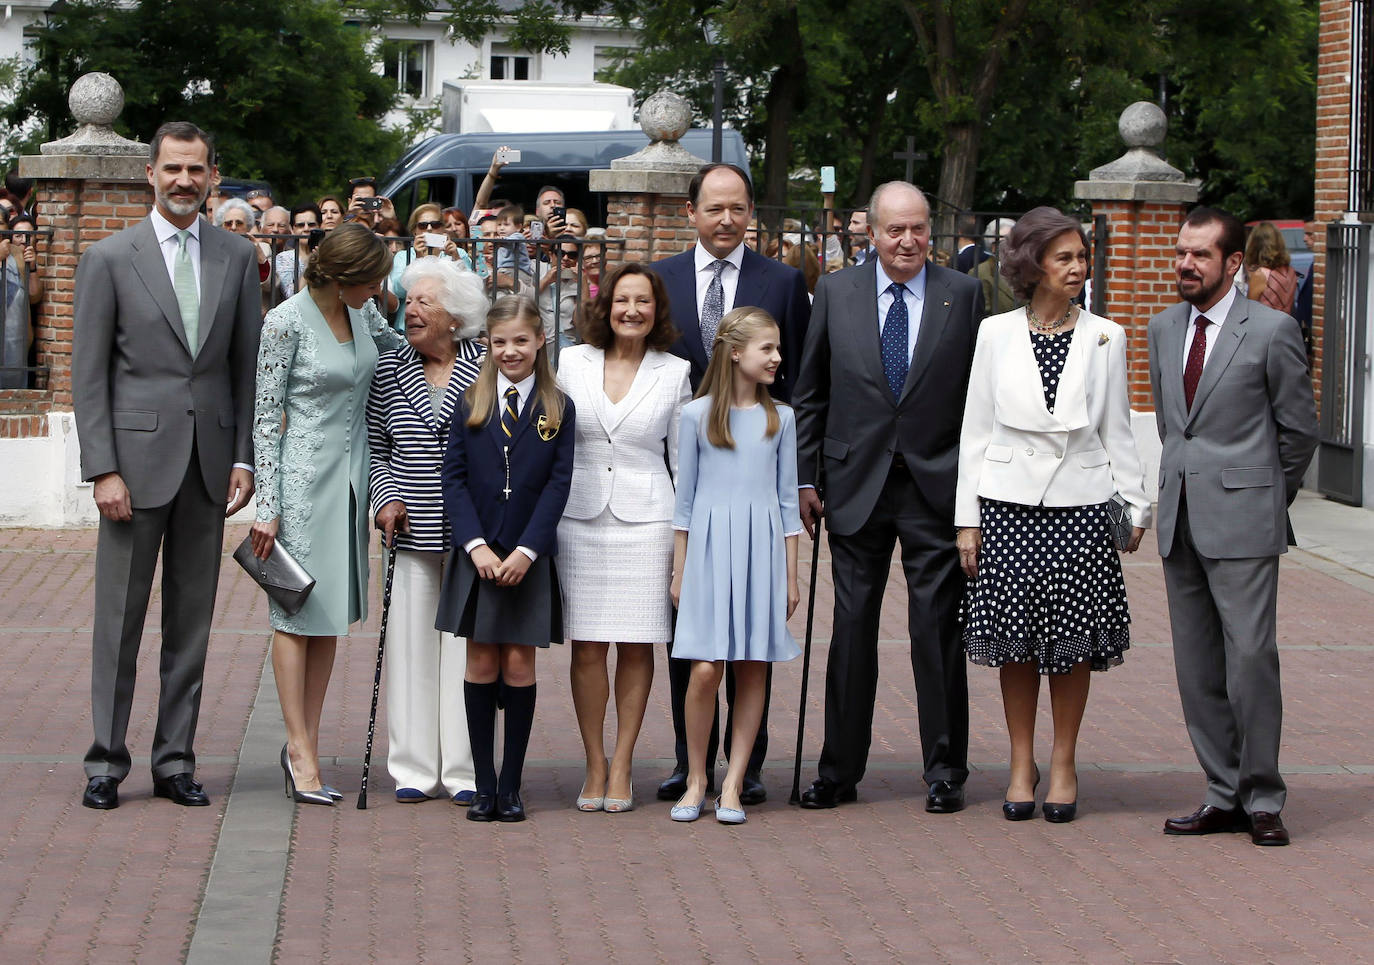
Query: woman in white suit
(1046, 442)
(616, 539)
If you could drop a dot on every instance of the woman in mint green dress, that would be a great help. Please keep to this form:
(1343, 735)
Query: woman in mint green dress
(316, 358)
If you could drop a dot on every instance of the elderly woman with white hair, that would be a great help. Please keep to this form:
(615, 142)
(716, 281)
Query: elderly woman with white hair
(414, 394)
(241, 218)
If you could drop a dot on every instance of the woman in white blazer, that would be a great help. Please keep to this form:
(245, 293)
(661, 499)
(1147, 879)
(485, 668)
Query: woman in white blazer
(1046, 442)
(616, 539)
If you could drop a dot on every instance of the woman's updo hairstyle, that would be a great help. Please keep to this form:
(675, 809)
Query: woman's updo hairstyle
(349, 255)
(1027, 242)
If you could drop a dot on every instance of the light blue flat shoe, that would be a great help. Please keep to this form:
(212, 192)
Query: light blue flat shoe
(686, 812)
(730, 815)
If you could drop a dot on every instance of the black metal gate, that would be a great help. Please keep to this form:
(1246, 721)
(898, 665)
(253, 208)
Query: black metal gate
(1345, 362)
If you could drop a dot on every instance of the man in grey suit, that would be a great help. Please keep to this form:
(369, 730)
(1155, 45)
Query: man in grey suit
(163, 368)
(880, 404)
(1236, 415)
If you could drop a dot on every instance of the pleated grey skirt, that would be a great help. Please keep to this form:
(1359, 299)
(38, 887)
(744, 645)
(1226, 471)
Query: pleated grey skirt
(529, 613)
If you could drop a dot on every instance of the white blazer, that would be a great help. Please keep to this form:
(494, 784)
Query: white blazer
(1014, 449)
(626, 454)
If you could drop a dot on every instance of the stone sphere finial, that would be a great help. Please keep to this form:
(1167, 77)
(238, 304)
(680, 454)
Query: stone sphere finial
(1143, 124)
(96, 98)
(665, 116)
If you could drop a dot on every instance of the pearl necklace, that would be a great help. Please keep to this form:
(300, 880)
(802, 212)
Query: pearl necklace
(1051, 327)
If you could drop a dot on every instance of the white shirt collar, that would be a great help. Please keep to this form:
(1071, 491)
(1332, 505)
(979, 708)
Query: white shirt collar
(704, 259)
(917, 285)
(525, 386)
(165, 230)
(1218, 312)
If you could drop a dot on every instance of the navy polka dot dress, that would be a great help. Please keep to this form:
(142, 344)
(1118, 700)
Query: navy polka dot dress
(1049, 586)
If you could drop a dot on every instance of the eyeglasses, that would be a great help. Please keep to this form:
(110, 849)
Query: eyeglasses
(257, 193)
(305, 225)
(355, 182)
(428, 224)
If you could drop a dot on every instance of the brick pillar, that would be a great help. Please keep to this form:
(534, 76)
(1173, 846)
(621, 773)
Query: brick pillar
(1332, 194)
(646, 193)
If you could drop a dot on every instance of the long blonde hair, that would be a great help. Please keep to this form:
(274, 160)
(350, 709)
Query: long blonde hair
(737, 330)
(481, 395)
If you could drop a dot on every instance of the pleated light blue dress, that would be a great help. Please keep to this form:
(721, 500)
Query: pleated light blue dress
(737, 506)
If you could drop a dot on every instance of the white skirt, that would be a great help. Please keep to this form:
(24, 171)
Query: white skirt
(615, 578)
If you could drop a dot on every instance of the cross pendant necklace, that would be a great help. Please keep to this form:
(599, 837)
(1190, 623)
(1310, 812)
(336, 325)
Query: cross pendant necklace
(505, 493)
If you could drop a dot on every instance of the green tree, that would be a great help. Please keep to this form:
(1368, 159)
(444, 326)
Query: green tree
(285, 86)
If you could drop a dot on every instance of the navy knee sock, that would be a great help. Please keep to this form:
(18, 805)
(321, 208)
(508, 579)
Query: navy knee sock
(480, 701)
(519, 721)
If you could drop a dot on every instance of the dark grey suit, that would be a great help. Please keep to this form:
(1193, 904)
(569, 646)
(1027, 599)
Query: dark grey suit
(1230, 466)
(888, 470)
(171, 422)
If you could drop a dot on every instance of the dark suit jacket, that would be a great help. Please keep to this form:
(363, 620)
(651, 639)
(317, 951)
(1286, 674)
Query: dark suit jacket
(474, 476)
(139, 394)
(845, 410)
(778, 289)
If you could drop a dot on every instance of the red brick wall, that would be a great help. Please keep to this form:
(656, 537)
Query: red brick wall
(1140, 277)
(653, 226)
(79, 213)
(1333, 151)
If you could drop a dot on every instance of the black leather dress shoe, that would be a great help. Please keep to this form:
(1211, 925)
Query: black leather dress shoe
(102, 793)
(509, 807)
(675, 786)
(1267, 828)
(483, 807)
(181, 789)
(1208, 820)
(752, 791)
(945, 797)
(824, 794)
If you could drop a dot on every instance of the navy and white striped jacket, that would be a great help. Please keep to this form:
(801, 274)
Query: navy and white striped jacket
(408, 442)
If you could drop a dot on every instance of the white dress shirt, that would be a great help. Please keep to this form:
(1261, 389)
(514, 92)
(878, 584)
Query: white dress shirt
(729, 276)
(915, 298)
(167, 240)
(524, 388)
(1216, 315)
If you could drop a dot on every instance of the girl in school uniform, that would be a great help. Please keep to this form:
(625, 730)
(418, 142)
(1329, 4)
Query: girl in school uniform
(506, 474)
(735, 551)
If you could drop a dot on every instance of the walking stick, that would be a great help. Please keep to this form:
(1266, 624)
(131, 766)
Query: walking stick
(377, 677)
(806, 661)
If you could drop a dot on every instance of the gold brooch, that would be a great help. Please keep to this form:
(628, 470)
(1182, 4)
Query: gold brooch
(546, 431)
(1103, 339)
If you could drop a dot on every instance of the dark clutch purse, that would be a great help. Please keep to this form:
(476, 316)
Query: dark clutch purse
(285, 580)
(1119, 525)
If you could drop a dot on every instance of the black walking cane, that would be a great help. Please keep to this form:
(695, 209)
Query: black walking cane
(806, 659)
(377, 677)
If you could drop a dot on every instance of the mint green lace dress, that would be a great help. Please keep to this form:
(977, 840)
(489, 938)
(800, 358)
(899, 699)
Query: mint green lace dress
(313, 474)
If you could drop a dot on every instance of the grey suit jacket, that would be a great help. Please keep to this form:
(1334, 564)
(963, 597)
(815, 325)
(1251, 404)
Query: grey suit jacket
(846, 413)
(1243, 447)
(141, 397)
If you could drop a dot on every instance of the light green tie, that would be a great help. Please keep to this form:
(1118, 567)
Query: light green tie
(184, 284)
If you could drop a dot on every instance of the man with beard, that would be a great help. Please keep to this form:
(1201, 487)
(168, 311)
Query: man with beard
(1235, 412)
(163, 362)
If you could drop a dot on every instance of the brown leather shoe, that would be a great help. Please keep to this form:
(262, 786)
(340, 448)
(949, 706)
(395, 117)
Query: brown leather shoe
(1208, 820)
(1267, 827)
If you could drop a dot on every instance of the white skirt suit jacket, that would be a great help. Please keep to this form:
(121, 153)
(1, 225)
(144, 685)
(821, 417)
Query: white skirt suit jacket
(1013, 449)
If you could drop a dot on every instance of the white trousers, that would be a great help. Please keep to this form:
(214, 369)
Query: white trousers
(426, 718)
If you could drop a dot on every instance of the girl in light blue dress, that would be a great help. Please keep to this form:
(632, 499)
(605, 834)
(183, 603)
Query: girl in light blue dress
(735, 552)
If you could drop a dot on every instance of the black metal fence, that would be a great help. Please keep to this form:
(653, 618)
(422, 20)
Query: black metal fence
(1345, 362)
(1361, 187)
(18, 366)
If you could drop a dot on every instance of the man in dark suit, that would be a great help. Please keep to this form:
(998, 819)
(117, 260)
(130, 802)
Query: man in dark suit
(880, 403)
(163, 363)
(718, 274)
(1234, 406)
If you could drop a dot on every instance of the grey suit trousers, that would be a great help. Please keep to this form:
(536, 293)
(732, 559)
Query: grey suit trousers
(1223, 614)
(190, 532)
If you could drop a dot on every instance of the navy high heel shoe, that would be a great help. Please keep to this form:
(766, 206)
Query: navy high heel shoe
(1023, 810)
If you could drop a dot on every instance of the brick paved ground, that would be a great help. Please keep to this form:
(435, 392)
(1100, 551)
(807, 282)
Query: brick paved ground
(880, 880)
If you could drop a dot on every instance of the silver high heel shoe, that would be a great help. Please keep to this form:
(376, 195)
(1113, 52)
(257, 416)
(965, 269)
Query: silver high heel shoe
(321, 796)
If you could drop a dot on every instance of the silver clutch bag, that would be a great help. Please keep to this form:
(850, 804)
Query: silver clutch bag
(285, 580)
(1119, 525)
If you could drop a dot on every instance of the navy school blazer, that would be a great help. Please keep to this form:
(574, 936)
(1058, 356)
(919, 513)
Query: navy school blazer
(474, 477)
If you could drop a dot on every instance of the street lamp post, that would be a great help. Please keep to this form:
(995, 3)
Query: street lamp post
(718, 102)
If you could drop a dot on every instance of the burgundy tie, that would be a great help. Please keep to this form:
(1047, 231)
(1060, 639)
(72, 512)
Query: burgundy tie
(1197, 354)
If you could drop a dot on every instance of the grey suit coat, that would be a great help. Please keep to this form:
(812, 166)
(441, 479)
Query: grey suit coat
(1243, 447)
(140, 396)
(846, 412)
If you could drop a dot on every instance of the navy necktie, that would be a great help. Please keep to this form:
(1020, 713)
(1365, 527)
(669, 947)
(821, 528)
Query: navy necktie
(895, 360)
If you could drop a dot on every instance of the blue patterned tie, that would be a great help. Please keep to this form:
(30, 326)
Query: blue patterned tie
(510, 412)
(713, 306)
(895, 359)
